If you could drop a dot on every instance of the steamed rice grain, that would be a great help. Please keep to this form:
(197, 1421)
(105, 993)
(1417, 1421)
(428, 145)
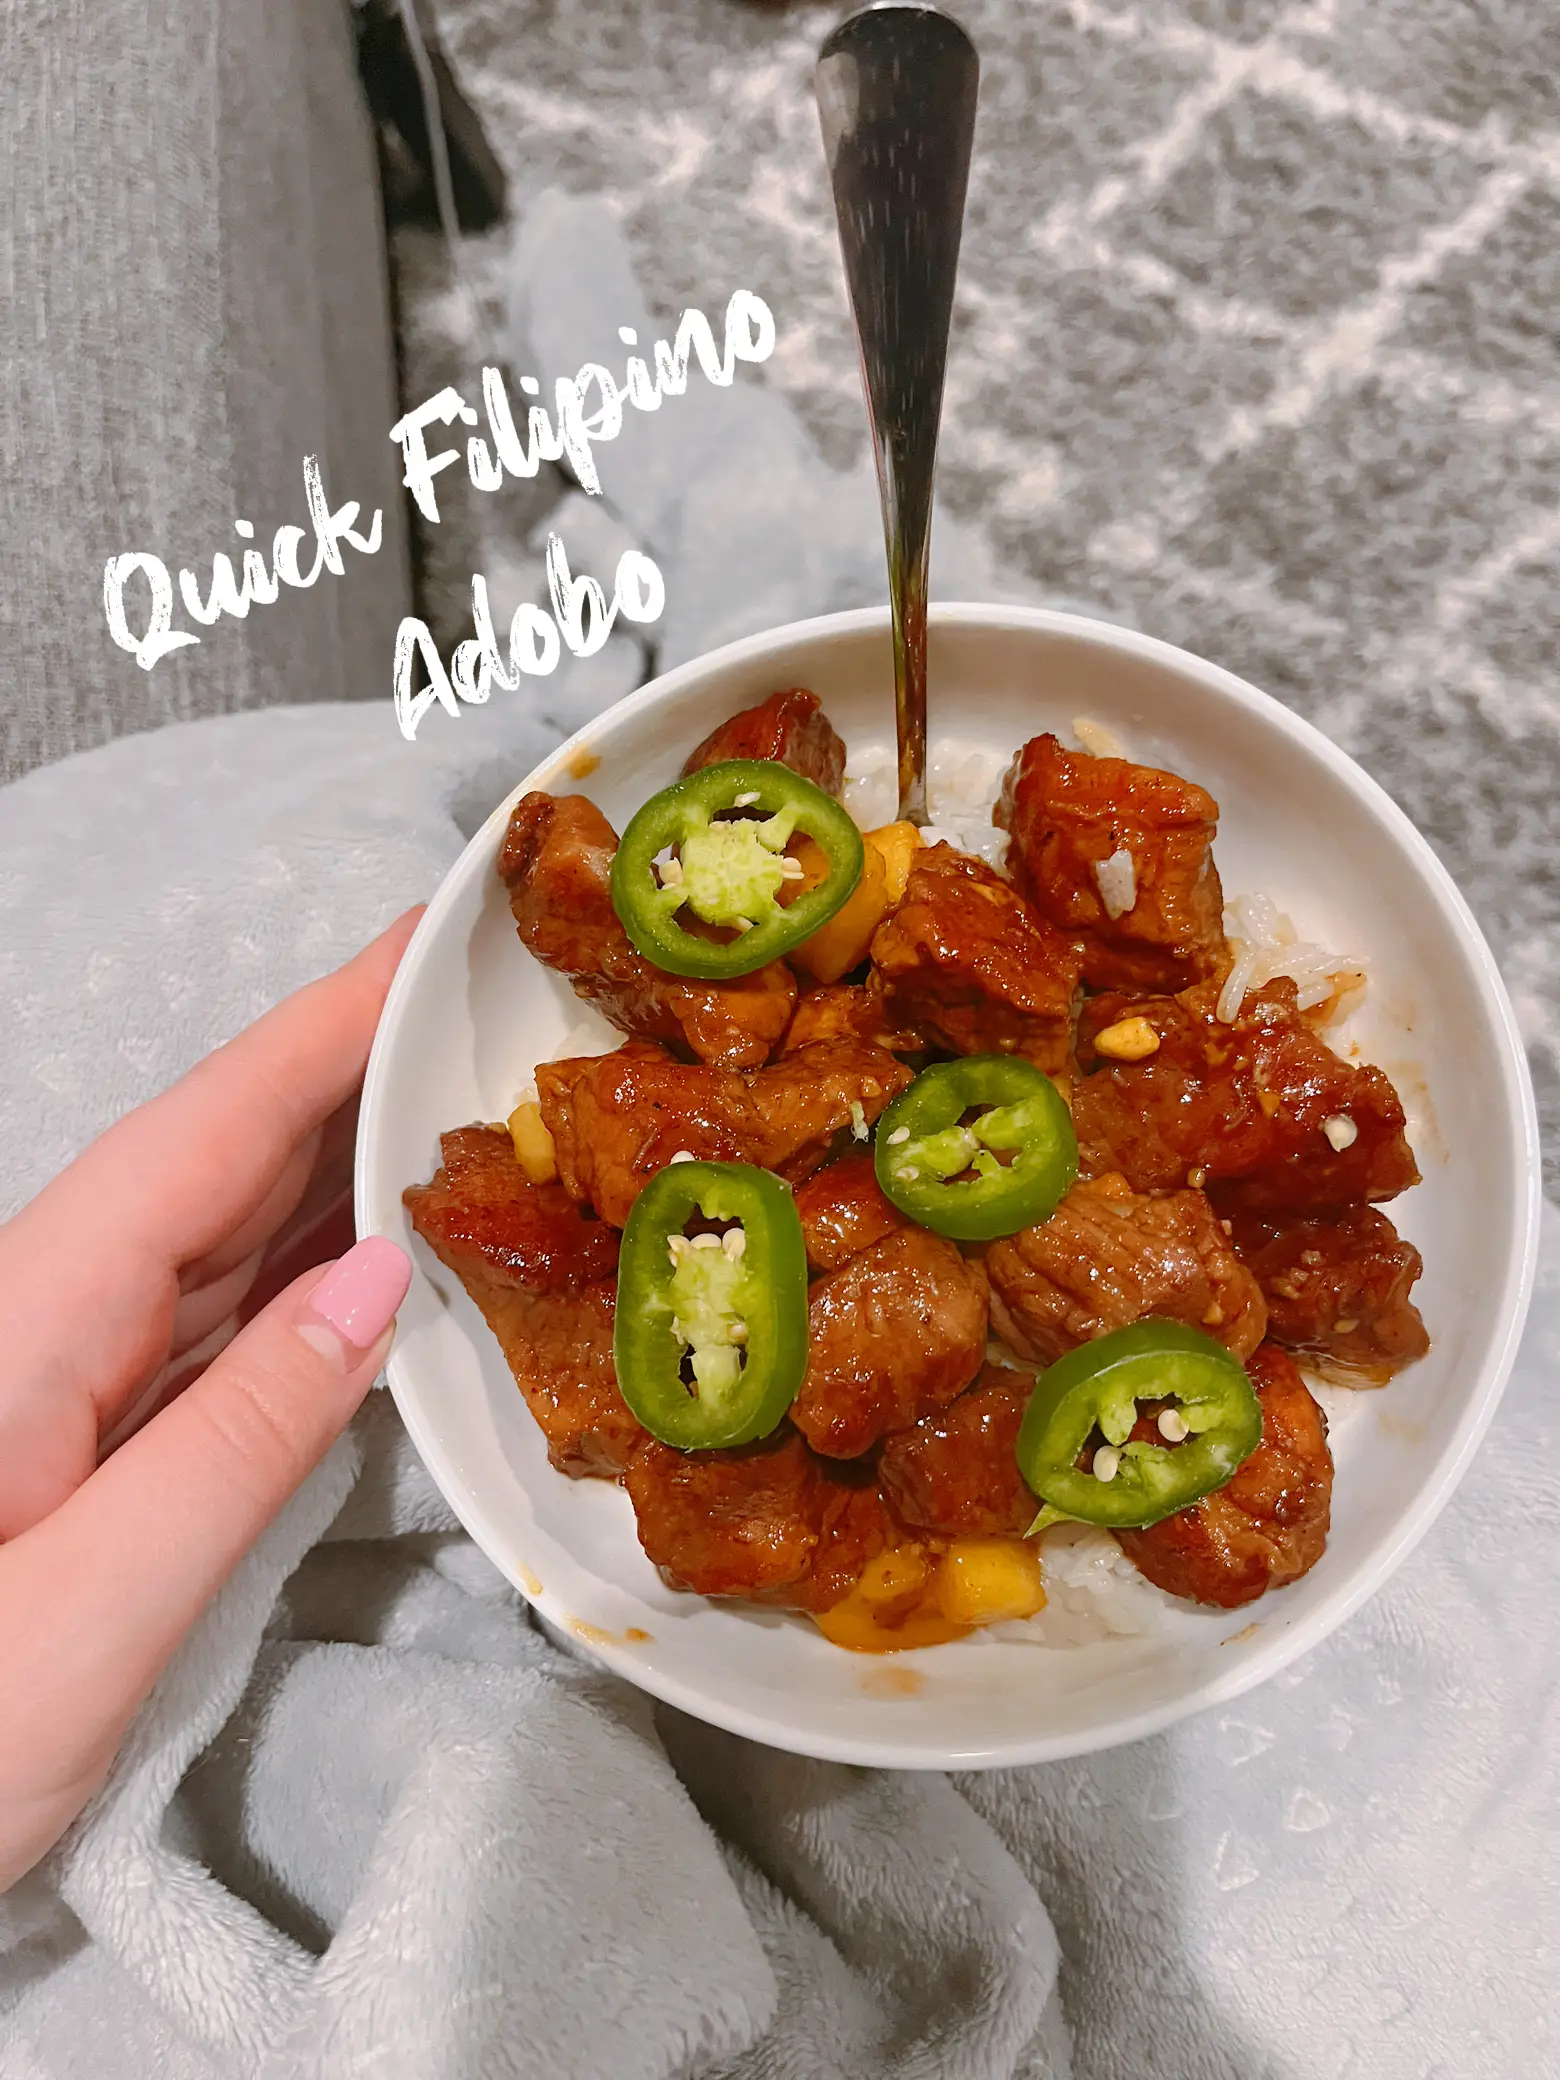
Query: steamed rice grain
(1096, 739)
(1093, 1592)
(1265, 946)
(963, 781)
(1116, 879)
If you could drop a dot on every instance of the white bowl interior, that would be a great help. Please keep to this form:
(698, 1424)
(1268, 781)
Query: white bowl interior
(471, 1014)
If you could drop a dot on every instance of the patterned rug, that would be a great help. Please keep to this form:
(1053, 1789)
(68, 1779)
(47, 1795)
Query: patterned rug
(1257, 343)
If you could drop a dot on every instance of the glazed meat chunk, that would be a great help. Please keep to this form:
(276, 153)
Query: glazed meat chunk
(1337, 1288)
(559, 1348)
(844, 1211)
(1109, 1256)
(618, 1118)
(804, 1103)
(1153, 920)
(1268, 1525)
(857, 1525)
(1263, 1110)
(544, 1277)
(965, 959)
(852, 1011)
(896, 1332)
(954, 1473)
(734, 1523)
(557, 865)
(768, 1520)
(481, 1210)
(789, 727)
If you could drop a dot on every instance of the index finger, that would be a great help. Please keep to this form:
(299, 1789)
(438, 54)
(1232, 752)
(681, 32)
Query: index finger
(95, 1597)
(89, 1271)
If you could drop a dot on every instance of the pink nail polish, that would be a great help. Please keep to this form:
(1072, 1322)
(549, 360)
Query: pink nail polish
(360, 1293)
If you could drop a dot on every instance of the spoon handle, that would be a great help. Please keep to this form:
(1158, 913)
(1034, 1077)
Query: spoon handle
(896, 92)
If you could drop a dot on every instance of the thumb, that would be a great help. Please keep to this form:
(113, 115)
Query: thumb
(108, 1585)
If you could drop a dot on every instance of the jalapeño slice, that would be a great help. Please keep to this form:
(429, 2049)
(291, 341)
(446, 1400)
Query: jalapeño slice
(1098, 1386)
(923, 1148)
(710, 1332)
(727, 827)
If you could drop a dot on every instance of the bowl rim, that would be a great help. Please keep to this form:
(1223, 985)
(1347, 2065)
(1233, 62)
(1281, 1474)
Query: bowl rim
(1283, 1643)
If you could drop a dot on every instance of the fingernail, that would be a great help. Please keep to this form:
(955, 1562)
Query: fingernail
(360, 1293)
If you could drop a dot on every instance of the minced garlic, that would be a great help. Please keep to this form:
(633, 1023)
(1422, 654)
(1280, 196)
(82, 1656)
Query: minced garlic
(1128, 1040)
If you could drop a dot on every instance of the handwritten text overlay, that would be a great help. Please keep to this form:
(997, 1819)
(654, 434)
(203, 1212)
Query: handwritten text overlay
(588, 410)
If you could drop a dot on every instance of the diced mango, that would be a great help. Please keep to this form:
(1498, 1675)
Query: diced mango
(534, 1150)
(897, 844)
(892, 1608)
(983, 1581)
(836, 947)
(893, 1575)
(863, 1630)
(909, 1597)
(814, 863)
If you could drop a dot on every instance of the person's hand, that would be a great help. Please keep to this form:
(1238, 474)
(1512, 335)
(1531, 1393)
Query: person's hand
(129, 1291)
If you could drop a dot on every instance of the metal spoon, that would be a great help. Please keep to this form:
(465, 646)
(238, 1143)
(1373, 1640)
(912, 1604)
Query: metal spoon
(896, 90)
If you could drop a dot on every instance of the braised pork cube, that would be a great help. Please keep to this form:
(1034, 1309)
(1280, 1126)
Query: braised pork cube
(1268, 1525)
(808, 1105)
(1262, 1111)
(730, 1523)
(857, 1525)
(895, 1333)
(480, 1208)
(544, 1276)
(1109, 1256)
(954, 1474)
(557, 865)
(1337, 1288)
(789, 727)
(559, 1348)
(844, 1211)
(967, 960)
(618, 1118)
(768, 1521)
(852, 1011)
(1120, 858)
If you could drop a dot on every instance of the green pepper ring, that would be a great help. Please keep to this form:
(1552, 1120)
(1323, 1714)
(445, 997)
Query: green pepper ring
(690, 805)
(1149, 1360)
(648, 1354)
(983, 1208)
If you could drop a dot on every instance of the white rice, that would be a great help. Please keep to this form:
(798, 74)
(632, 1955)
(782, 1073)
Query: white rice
(1266, 945)
(963, 781)
(1116, 879)
(870, 793)
(1096, 739)
(1092, 1590)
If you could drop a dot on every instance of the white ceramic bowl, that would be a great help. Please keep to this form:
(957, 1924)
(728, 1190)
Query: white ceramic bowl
(471, 1013)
